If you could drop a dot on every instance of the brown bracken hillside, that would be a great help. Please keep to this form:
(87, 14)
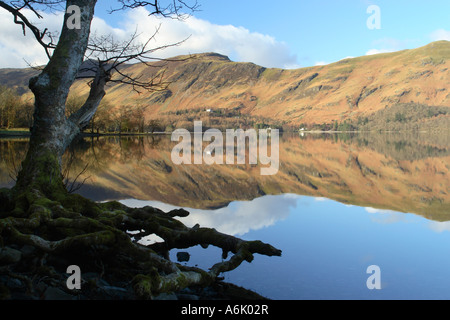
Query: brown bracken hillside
(208, 85)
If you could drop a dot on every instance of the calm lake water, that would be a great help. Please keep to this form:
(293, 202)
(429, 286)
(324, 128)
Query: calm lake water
(339, 204)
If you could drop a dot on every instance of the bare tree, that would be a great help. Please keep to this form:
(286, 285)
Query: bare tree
(76, 54)
(40, 212)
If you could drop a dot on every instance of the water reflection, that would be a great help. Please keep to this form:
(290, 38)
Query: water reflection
(238, 218)
(390, 207)
(404, 173)
(327, 247)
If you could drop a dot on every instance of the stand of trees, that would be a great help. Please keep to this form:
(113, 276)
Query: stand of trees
(14, 111)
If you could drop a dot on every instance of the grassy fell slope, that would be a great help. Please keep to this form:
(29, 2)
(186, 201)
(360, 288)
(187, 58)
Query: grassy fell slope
(347, 89)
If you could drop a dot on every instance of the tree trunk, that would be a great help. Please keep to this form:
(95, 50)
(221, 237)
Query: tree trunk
(52, 131)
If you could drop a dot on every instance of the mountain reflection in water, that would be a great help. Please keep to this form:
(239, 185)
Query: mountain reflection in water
(405, 173)
(338, 204)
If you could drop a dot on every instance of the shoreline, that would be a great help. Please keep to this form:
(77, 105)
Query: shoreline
(27, 134)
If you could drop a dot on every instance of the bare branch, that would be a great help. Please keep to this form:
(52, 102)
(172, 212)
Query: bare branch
(15, 8)
(112, 55)
(173, 9)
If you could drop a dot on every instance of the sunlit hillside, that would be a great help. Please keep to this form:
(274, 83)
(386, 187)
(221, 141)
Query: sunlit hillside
(210, 86)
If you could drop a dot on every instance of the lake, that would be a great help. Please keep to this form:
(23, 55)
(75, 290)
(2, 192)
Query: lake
(339, 204)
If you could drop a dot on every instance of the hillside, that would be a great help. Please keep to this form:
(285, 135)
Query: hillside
(351, 89)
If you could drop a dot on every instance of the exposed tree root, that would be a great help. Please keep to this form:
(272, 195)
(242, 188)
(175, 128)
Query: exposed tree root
(97, 238)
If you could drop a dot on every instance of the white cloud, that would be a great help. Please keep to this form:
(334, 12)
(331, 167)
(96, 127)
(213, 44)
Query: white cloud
(323, 63)
(236, 219)
(383, 216)
(378, 211)
(377, 51)
(15, 48)
(239, 43)
(385, 45)
(440, 227)
(440, 34)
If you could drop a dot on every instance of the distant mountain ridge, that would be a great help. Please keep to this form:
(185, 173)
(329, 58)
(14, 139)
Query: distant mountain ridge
(345, 90)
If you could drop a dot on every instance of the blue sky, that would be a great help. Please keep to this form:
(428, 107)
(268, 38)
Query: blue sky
(330, 30)
(283, 34)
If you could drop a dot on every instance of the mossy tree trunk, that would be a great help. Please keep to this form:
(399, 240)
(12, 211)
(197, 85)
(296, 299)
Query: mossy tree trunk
(52, 131)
